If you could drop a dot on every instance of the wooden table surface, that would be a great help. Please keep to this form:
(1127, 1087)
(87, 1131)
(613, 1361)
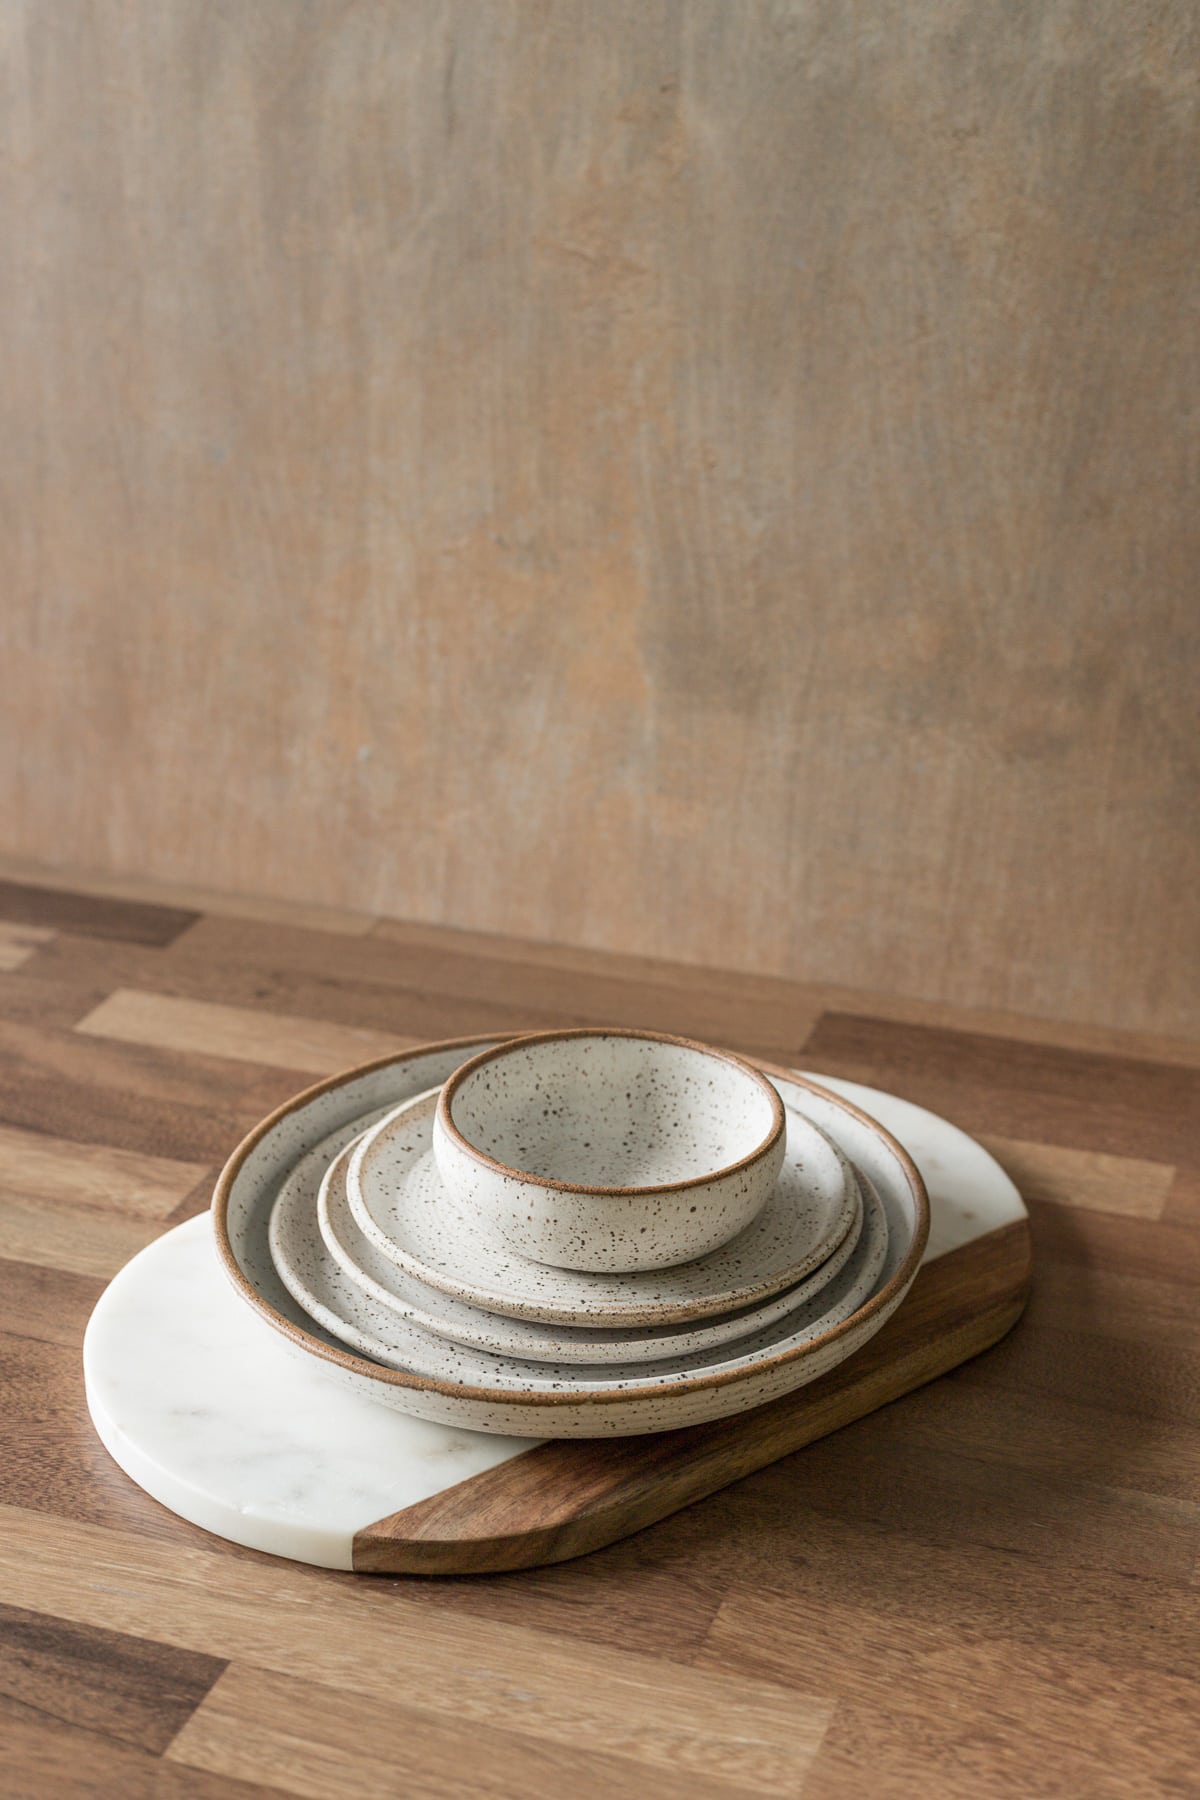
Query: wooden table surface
(988, 1588)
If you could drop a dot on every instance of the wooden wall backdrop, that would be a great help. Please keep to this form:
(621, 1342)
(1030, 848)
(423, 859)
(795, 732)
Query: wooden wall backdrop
(704, 479)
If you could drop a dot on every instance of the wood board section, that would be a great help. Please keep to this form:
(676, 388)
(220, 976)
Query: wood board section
(566, 1499)
(709, 480)
(999, 1572)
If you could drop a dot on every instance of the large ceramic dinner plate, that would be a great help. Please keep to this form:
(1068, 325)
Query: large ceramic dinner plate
(401, 1203)
(250, 1182)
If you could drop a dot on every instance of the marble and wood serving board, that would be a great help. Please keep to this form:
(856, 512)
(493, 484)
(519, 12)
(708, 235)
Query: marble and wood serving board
(216, 1417)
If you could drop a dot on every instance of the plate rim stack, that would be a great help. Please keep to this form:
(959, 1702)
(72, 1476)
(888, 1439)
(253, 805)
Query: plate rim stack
(390, 1384)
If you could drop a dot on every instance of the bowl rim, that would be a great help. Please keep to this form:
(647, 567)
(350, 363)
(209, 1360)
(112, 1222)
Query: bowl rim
(347, 1360)
(526, 1177)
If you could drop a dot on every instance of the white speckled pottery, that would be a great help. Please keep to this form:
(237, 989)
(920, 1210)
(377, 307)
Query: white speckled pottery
(323, 1290)
(609, 1150)
(293, 1233)
(250, 1181)
(401, 1203)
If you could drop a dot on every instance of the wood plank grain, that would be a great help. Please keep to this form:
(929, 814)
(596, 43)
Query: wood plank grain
(1117, 1105)
(463, 959)
(18, 943)
(484, 978)
(81, 1239)
(37, 1167)
(1080, 1239)
(55, 909)
(1149, 1382)
(259, 1726)
(142, 1124)
(637, 1600)
(545, 983)
(659, 1716)
(49, 1760)
(1024, 1028)
(50, 1303)
(121, 1686)
(981, 1700)
(1183, 1201)
(568, 982)
(1115, 1184)
(375, 1001)
(134, 1097)
(111, 1068)
(1071, 1439)
(205, 1028)
(1090, 1737)
(931, 1477)
(1114, 1301)
(564, 1499)
(41, 999)
(786, 1549)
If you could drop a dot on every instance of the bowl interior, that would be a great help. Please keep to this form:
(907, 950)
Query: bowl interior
(613, 1112)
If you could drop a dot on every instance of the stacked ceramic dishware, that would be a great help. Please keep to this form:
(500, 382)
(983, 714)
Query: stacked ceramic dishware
(573, 1234)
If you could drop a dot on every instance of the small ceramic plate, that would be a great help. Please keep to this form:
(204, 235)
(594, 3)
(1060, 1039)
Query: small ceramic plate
(328, 1296)
(406, 1297)
(402, 1205)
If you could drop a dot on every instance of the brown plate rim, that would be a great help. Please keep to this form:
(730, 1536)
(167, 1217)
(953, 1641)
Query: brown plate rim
(896, 1284)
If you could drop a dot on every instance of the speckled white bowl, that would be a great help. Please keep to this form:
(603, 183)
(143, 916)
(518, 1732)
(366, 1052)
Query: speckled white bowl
(609, 1150)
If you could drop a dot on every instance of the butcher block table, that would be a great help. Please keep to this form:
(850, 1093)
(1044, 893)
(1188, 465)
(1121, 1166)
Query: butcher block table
(986, 1588)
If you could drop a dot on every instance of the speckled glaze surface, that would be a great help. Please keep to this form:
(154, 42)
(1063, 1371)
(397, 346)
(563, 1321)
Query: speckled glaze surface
(408, 1298)
(401, 1203)
(343, 1309)
(609, 1150)
(250, 1181)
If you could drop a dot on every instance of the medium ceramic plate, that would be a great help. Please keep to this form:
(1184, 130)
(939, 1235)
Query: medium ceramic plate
(307, 1225)
(401, 1203)
(403, 1294)
(326, 1293)
(250, 1181)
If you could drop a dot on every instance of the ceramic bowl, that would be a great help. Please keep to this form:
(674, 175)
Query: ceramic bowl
(609, 1151)
(250, 1181)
